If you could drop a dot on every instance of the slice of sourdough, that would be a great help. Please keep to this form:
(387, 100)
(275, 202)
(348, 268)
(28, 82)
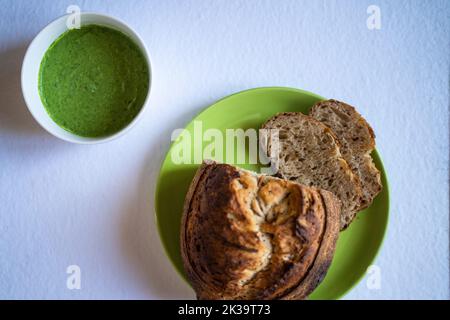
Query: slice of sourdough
(357, 141)
(251, 236)
(308, 153)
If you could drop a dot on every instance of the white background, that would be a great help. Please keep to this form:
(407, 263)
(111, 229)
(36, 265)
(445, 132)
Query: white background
(63, 204)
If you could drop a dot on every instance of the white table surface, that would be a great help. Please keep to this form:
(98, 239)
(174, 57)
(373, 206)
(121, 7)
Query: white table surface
(64, 204)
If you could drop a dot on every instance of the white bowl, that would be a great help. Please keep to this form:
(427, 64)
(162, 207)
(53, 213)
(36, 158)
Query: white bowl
(32, 61)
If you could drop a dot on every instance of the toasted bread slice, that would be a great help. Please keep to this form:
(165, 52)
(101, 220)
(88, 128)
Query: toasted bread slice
(357, 141)
(250, 236)
(309, 154)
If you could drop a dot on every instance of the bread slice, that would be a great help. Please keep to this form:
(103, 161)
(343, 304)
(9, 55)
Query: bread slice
(357, 141)
(250, 236)
(309, 154)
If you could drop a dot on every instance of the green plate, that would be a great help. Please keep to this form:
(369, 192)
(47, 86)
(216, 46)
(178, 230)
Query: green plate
(357, 246)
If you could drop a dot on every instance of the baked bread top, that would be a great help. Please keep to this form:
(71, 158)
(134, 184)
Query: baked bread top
(308, 152)
(357, 141)
(249, 236)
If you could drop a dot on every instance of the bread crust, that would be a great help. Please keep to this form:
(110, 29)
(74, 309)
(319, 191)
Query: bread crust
(249, 236)
(326, 252)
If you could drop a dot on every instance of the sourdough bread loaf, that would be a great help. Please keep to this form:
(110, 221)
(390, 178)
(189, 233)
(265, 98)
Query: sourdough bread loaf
(357, 141)
(309, 153)
(250, 236)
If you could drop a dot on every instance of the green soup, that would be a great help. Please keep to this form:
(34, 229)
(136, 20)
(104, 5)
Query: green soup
(93, 81)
